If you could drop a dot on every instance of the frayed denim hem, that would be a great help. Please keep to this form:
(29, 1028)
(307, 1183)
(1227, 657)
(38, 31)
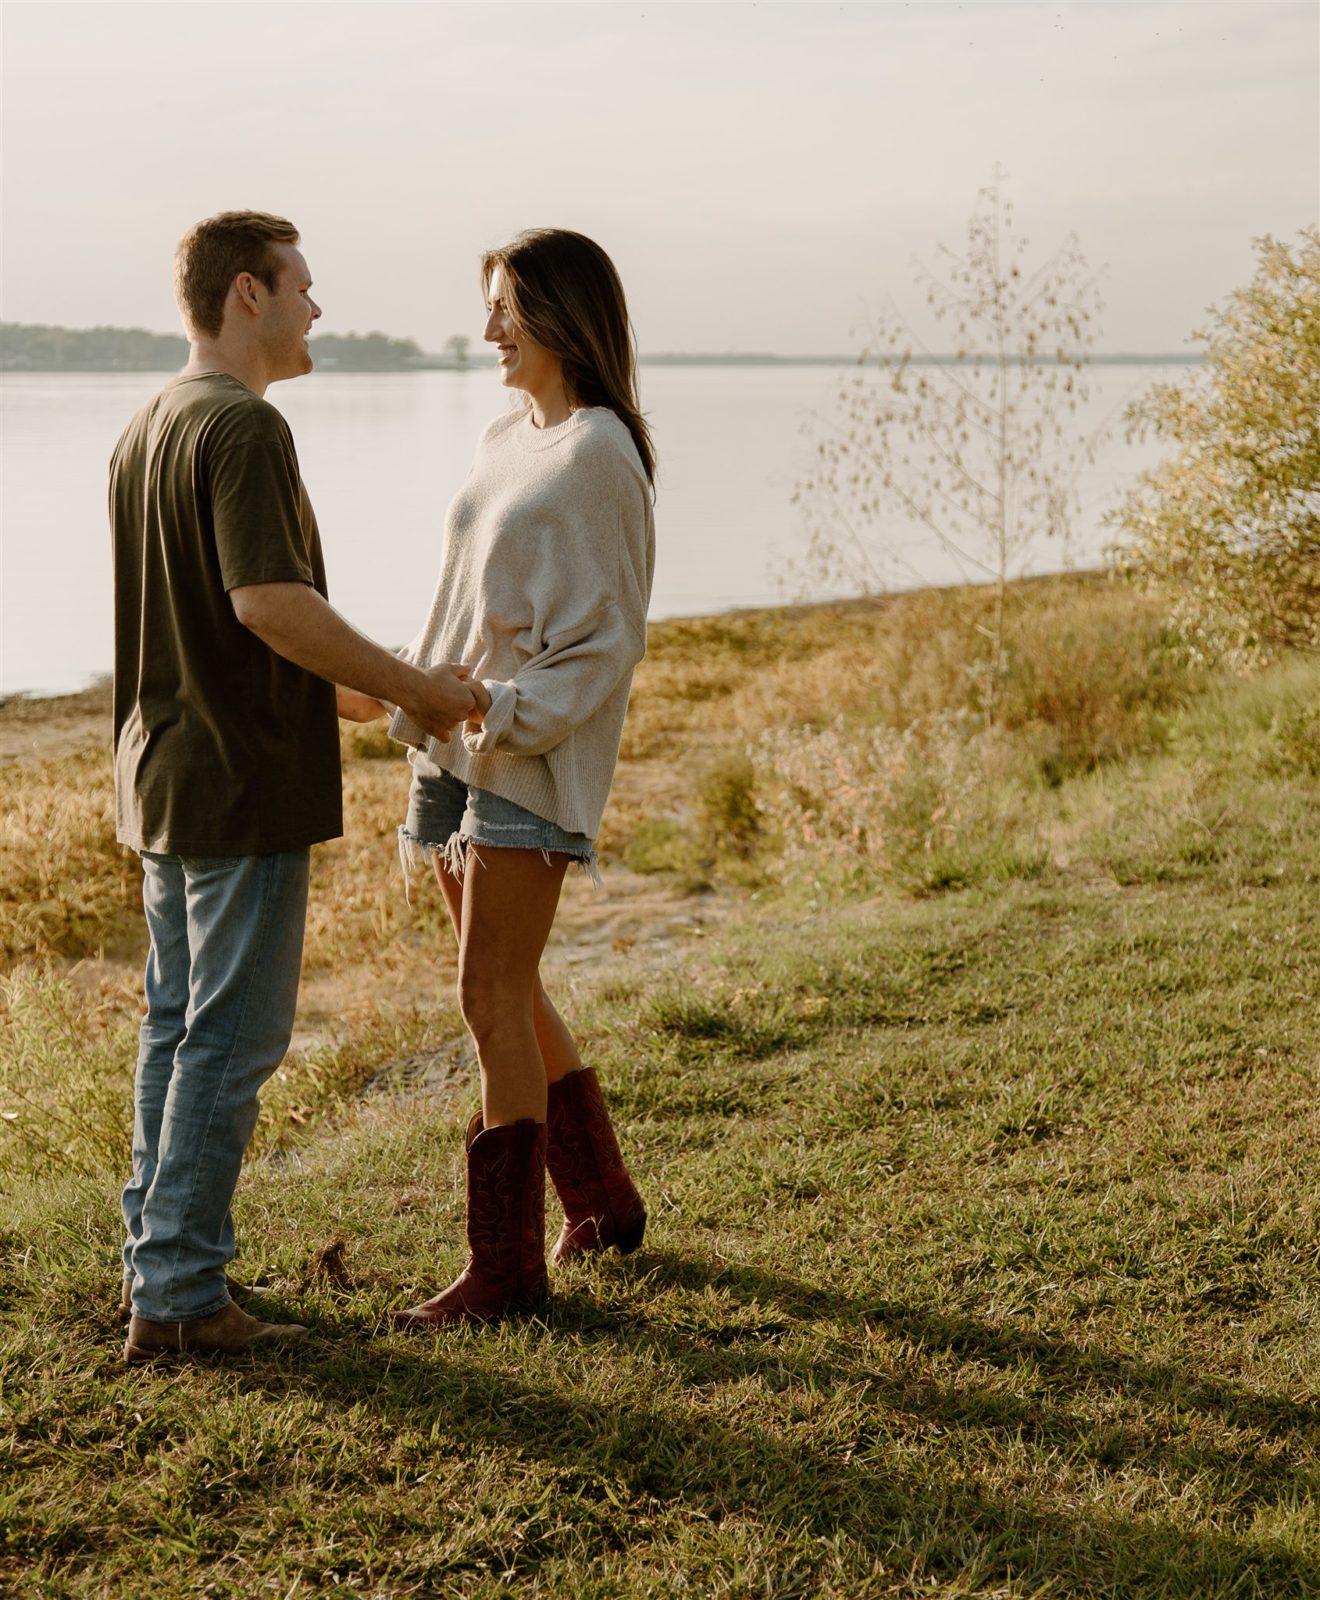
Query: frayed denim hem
(453, 857)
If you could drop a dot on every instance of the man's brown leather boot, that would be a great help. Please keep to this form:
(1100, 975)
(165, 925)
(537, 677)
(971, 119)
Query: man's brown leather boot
(230, 1332)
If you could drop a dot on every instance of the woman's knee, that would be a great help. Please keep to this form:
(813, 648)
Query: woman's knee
(489, 1002)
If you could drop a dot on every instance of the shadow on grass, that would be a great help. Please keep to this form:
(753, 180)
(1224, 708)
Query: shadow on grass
(1056, 1360)
(776, 1412)
(1085, 1366)
(919, 1472)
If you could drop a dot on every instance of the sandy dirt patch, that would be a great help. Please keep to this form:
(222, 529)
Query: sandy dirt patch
(42, 729)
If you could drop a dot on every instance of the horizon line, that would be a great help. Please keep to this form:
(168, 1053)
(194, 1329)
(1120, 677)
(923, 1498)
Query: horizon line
(747, 357)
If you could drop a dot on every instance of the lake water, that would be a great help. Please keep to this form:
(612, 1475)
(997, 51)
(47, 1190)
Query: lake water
(381, 455)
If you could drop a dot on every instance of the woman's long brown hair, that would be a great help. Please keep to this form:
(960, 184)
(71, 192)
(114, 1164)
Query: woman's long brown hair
(562, 290)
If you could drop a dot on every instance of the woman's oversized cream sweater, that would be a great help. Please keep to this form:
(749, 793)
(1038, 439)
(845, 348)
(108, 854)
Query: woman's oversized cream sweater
(544, 583)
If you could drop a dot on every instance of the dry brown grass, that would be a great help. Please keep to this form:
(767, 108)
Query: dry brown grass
(1086, 656)
(724, 707)
(1090, 677)
(66, 888)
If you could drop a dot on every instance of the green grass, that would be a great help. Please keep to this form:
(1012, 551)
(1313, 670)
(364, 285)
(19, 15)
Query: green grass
(982, 1262)
(982, 1259)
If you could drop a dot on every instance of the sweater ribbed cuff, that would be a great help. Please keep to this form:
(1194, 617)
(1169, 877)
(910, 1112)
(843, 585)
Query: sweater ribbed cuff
(405, 731)
(497, 721)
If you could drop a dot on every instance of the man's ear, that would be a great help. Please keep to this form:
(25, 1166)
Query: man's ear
(245, 287)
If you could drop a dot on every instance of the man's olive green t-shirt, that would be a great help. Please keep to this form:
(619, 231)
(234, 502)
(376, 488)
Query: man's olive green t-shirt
(222, 747)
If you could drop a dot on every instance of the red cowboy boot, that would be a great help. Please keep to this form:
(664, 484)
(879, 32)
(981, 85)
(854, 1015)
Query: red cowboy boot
(505, 1230)
(601, 1204)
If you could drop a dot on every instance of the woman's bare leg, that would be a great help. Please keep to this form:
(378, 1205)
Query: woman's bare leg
(452, 889)
(602, 1207)
(502, 914)
(508, 908)
(559, 1051)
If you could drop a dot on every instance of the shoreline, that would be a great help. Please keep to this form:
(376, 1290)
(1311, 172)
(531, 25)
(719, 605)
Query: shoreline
(38, 702)
(46, 727)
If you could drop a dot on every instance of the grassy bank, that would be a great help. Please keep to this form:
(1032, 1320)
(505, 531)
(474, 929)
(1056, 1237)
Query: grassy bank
(979, 1145)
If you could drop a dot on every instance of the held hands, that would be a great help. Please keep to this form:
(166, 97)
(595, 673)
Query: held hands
(442, 699)
(481, 695)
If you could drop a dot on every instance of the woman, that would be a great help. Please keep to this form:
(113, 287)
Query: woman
(543, 590)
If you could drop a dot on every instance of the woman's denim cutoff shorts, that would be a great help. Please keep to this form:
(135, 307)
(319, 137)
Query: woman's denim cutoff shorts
(447, 816)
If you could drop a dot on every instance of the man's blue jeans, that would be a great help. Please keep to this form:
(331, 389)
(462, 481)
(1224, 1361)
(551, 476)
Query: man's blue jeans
(222, 984)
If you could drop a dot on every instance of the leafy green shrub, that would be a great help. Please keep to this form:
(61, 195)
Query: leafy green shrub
(1231, 523)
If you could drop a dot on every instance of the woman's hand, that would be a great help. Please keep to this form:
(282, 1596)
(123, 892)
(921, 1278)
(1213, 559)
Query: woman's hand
(481, 694)
(355, 707)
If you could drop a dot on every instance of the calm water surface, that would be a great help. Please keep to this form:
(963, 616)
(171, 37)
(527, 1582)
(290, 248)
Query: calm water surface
(381, 456)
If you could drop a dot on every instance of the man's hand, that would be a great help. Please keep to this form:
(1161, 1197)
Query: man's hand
(297, 623)
(439, 699)
(481, 694)
(355, 707)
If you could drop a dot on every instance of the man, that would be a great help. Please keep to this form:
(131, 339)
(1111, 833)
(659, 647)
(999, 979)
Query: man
(226, 757)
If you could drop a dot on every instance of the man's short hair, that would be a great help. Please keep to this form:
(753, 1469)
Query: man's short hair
(213, 253)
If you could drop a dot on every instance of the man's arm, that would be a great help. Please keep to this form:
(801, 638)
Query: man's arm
(298, 624)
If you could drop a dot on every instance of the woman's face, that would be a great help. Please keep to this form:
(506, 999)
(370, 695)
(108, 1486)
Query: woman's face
(523, 363)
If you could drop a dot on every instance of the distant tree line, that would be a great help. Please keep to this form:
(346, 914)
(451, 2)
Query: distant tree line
(38, 347)
(366, 352)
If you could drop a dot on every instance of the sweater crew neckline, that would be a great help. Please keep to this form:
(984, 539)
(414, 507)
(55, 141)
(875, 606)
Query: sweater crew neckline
(533, 438)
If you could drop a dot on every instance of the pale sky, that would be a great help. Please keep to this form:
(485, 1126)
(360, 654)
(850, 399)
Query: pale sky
(761, 174)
